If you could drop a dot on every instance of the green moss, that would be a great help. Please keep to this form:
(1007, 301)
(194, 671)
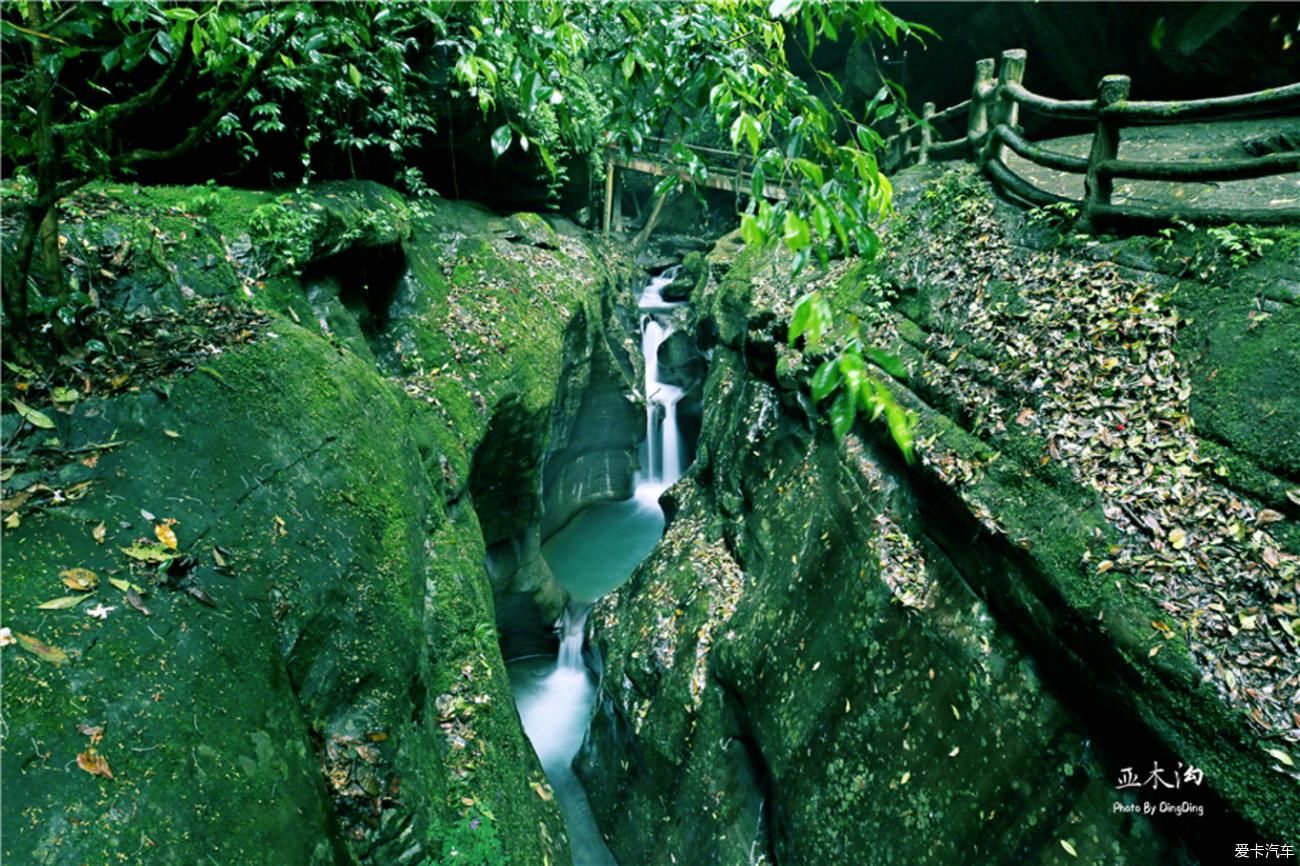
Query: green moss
(358, 598)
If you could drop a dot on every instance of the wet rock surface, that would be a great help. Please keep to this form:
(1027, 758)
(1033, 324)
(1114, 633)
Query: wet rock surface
(835, 656)
(292, 657)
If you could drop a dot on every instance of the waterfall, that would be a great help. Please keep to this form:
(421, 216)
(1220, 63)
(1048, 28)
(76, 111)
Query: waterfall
(571, 626)
(663, 463)
(596, 552)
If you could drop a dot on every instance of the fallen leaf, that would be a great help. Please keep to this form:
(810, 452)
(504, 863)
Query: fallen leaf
(133, 598)
(53, 655)
(906, 776)
(1069, 849)
(955, 750)
(99, 532)
(62, 603)
(166, 534)
(148, 552)
(13, 503)
(80, 579)
(64, 395)
(38, 419)
(95, 732)
(213, 373)
(94, 764)
(1178, 539)
(200, 596)
(1268, 515)
(1281, 757)
(1155, 649)
(12, 521)
(1104, 566)
(124, 585)
(171, 433)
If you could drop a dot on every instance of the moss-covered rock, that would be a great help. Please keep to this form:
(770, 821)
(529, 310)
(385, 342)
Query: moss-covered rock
(839, 657)
(318, 679)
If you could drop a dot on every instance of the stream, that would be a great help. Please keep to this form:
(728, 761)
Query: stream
(591, 555)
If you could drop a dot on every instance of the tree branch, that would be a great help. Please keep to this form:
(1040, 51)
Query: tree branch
(35, 33)
(128, 108)
(203, 127)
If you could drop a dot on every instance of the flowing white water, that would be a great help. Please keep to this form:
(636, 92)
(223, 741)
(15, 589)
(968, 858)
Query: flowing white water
(595, 553)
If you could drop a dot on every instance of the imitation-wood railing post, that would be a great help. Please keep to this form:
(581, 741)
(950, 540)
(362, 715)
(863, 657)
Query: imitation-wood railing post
(1005, 110)
(1098, 185)
(619, 181)
(609, 193)
(740, 173)
(904, 143)
(927, 133)
(977, 118)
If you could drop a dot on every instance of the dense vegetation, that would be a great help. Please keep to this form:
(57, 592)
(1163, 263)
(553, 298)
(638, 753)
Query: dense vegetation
(95, 91)
(357, 88)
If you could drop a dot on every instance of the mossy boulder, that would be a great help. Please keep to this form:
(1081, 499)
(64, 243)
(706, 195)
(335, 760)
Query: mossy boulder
(795, 673)
(317, 678)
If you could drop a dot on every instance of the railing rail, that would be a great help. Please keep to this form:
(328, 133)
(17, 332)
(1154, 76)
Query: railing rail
(993, 131)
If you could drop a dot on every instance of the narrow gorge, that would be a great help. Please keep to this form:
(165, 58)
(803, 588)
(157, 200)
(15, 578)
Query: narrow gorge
(549, 434)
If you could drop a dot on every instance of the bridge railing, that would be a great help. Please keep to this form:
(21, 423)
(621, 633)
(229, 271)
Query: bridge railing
(993, 130)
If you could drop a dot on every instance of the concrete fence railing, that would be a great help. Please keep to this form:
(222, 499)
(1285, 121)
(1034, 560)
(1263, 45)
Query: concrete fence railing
(992, 130)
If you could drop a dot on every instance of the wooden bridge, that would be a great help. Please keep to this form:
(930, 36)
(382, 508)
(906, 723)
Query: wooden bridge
(990, 136)
(726, 170)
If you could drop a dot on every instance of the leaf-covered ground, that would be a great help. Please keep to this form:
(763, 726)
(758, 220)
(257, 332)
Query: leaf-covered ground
(1089, 362)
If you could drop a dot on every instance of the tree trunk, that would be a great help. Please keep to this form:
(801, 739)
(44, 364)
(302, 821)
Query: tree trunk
(47, 168)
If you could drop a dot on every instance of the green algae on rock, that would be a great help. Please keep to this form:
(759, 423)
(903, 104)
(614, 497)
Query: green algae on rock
(320, 682)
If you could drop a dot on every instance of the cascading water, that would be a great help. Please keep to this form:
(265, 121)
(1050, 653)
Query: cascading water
(592, 555)
(663, 455)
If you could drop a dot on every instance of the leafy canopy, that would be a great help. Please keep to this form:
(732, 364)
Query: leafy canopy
(358, 87)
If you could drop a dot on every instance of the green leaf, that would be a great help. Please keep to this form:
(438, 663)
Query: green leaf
(826, 379)
(528, 93)
(747, 127)
(811, 316)
(796, 231)
(750, 231)
(887, 362)
(38, 419)
(842, 413)
(666, 185)
(355, 75)
(901, 428)
(501, 139)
